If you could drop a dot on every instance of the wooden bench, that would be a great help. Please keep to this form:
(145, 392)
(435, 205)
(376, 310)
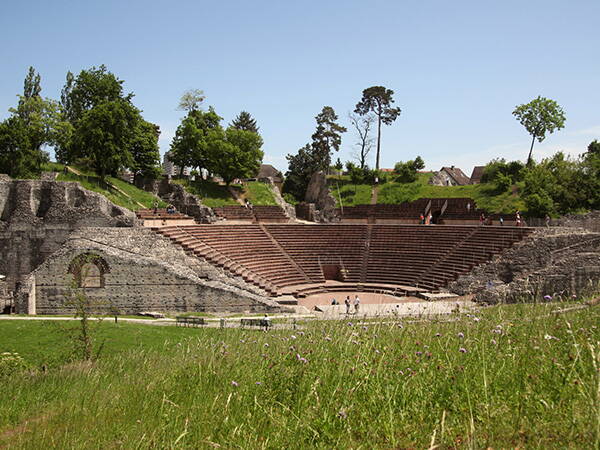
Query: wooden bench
(188, 321)
(263, 323)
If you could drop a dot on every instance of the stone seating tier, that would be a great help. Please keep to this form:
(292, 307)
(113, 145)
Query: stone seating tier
(284, 258)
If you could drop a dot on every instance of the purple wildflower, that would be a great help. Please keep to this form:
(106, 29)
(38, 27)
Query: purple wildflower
(461, 335)
(462, 350)
(437, 334)
(547, 297)
(234, 383)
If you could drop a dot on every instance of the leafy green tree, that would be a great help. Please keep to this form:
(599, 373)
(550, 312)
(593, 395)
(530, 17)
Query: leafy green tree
(107, 132)
(378, 100)
(301, 166)
(326, 138)
(144, 150)
(34, 123)
(406, 172)
(590, 181)
(244, 121)
(539, 117)
(191, 100)
(189, 147)
(234, 153)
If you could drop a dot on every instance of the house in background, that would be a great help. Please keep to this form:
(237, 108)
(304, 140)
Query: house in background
(450, 176)
(477, 174)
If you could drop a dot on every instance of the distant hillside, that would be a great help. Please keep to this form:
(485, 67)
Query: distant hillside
(214, 194)
(486, 196)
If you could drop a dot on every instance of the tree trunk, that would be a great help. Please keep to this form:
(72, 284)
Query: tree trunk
(378, 140)
(529, 160)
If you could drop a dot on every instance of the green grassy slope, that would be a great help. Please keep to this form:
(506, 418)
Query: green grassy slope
(214, 195)
(486, 196)
(91, 181)
(514, 376)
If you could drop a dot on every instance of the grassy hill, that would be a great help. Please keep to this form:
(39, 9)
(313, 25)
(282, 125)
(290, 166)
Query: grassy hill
(486, 196)
(214, 194)
(126, 194)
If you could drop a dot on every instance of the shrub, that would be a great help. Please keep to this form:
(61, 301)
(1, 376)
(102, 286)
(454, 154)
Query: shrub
(11, 363)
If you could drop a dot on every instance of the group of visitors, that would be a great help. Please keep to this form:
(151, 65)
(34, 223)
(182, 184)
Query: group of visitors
(426, 220)
(170, 208)
(348, 303)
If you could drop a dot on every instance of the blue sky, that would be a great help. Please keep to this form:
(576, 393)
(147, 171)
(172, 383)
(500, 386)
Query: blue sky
(458, 69)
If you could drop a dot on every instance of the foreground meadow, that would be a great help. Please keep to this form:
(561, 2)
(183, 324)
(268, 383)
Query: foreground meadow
(508, 376)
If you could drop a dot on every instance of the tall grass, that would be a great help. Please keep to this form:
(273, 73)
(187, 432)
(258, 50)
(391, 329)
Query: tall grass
(512, 376)
(260, 194)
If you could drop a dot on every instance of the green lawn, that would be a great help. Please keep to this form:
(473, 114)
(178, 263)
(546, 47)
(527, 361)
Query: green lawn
(212, 194)
(486, 196)
(507, 377)
(260, 194)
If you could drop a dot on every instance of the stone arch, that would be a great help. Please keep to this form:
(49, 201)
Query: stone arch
(88, 270)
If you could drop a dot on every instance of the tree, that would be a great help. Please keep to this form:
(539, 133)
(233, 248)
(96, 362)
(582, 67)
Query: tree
(234, 153)
(144, 150)
(327, 137)
(106, 133)
(590, 181)
(363, 126)
(406, 172)
(31, 89)
(539, 117)
(18, 158)
(191, 100)
(301, 166)
(378, 99)
(189, 147)
(244, 121)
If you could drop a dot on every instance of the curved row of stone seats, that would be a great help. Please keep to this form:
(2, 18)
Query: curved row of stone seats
(273, 214)
(299, 259)
(234, 212)
(313, 246)
(161, 213)
(245, 250)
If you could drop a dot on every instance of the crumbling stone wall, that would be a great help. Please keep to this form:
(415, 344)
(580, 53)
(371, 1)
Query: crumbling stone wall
(36, 217)
(555, 262)
(318, 193)
(176, 195)
(141, 271)
(589, 221)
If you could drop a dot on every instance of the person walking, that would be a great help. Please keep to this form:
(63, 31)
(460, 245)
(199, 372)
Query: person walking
(356, 304)
(347, 303)
(547, 221)
(501, 221)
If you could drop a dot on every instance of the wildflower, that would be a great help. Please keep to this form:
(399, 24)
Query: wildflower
(462, 350)
(400, 326)
(476, 319)
(549, 337)
(258, 383)
(493, 341)
(342, 414)
(327, 338)
(437, 334)
(350, 324)
(547, 297)
(461, 335)
(293, 337)
(266, 344)
(418, 353)
(377, 351)
(365, 328)
(234, 384)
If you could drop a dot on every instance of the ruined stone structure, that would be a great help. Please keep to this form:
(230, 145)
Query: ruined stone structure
(36, 218)
(554, 262)
(318, 193)
(133, 270)
(176, 195)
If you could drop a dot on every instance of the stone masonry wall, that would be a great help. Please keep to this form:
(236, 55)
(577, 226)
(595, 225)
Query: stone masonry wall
(36, 217)
(555, 262)
(145, 272)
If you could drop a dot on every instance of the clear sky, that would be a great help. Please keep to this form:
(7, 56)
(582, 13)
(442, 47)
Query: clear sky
(458, 68)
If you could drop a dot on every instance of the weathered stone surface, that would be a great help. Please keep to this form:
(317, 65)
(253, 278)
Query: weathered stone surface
(318, 193)
(589, 221)
(181, 199)
(36, 217)
(142, 272)
(289, 210)
(556, 262)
